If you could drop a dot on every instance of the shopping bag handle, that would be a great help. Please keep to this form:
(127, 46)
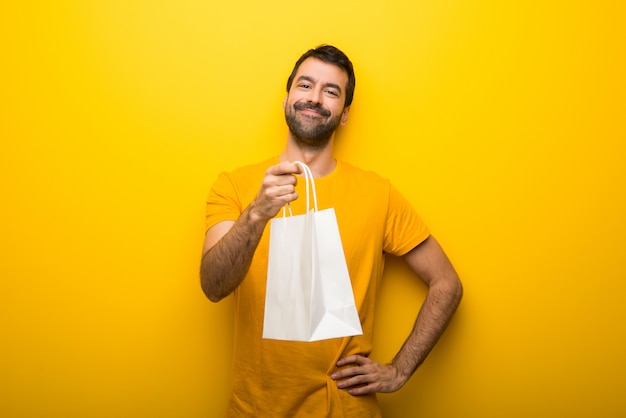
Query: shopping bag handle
(308, 177)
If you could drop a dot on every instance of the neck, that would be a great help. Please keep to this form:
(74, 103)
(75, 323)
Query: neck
(321, 161)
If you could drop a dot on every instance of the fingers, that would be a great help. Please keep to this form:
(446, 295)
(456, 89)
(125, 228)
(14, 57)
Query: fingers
(355, 379)
(283, 168)
(366, 376)
(354, 359)
(280, 183)
(278, 189)
(360, 367)
(358, 380)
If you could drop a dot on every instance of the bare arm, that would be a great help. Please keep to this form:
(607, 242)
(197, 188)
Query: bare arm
(430, 263)
(229, 246)
(444, 295)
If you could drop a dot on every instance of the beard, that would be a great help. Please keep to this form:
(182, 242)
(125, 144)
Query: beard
(306, 131)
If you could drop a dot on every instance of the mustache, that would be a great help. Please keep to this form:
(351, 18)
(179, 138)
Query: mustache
(311, 106)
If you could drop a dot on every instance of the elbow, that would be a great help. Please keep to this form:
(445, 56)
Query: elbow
(451, 289)
(212, 294)
(210, 291)
(214, 298)
(456, 290)
(207, 282)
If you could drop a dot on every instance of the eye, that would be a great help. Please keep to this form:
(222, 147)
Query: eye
(304, 85)
(332, 93)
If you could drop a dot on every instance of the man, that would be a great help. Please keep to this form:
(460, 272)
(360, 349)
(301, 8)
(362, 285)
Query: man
(334, 377)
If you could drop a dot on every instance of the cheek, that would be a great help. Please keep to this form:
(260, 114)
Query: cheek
(290, 102)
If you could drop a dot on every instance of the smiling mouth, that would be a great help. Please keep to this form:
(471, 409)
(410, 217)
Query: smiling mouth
(311, 110)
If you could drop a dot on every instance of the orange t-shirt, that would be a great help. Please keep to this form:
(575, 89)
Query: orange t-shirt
(273, 378)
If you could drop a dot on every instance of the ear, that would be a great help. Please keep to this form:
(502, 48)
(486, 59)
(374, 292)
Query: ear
(344, 115)
(285, 103)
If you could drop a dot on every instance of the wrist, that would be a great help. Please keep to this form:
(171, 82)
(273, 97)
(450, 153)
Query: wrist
(254, 216)
(403, 371)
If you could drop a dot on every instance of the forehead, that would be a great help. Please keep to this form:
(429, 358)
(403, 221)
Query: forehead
(322, 72)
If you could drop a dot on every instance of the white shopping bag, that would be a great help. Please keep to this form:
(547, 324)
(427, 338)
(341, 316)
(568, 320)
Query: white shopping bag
(309, 296)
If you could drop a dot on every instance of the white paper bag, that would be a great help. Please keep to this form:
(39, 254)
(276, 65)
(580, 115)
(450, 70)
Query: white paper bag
(308, 296)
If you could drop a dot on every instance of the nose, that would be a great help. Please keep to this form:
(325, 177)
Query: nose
(314, 96)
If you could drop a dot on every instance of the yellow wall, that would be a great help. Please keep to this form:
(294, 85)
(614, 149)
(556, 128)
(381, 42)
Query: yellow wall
(503, 122)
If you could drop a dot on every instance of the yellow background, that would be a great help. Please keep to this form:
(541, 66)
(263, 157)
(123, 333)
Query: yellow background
(503, 122)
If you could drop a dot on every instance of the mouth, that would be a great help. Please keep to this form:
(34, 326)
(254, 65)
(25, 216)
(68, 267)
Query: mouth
(311, 110)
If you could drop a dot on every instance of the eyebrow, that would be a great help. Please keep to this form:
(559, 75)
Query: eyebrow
(310, 79)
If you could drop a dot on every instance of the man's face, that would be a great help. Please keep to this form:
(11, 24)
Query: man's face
(314, 106)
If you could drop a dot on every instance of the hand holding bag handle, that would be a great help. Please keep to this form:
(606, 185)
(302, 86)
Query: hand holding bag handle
(308, 176)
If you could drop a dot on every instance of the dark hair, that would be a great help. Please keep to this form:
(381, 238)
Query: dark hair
(330, 55)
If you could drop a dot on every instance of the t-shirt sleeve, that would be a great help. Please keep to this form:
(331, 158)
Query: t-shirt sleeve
(405, 229)
(223, 202)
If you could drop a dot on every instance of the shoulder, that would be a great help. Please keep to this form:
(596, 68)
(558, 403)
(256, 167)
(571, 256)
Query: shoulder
(351, 171)
(361, 179)
(370, 184)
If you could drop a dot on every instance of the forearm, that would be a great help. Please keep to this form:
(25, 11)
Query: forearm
(434, 316)
(226, 263)
(228, 250)
(367, 376)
